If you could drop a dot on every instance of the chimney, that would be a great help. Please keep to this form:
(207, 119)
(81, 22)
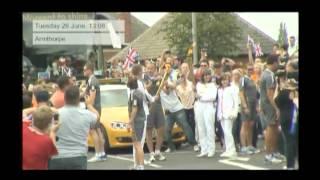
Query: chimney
(127, 26)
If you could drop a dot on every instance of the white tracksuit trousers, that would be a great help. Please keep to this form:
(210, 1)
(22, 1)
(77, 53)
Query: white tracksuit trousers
(204, 116)
(228, 138)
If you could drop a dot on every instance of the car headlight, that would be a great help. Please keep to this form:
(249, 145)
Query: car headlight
(119, 125)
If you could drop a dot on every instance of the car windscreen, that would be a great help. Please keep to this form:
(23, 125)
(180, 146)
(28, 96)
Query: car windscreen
(114, 98)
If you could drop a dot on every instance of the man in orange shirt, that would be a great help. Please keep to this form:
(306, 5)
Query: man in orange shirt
(57, 98)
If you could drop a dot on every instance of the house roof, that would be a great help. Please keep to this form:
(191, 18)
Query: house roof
(151, 43)
(266, 42)
(138, 27)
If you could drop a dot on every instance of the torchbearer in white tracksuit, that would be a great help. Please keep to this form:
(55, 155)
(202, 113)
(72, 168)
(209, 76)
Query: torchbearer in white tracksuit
(205, 113)
(227, 113)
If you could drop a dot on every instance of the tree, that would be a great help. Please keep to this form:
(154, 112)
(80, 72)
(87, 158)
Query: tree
(283, 35)
(217, 32)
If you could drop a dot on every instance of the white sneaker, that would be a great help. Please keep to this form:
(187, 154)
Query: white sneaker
(253, 150)
(139, 167)
(276, 160)
(272, 159)
(224, 154)
(202, 155)
(243, 151)
(94, 159)
(279, 156)
(159, 157)
(167, 150)
(151, 159)
(196, 148)
(210, 154)
(228, 154)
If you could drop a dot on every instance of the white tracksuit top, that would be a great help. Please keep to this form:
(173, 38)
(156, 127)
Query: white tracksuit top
(228, 102)
(207, 92)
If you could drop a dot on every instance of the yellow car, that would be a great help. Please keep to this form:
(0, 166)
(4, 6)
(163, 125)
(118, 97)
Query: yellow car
(115, 118)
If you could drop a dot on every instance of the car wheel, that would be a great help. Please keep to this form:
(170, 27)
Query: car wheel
(106, 139)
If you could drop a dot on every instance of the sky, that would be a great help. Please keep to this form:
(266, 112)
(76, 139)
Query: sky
(268, 22)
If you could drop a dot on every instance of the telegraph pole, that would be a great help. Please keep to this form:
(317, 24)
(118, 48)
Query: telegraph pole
(194, 39)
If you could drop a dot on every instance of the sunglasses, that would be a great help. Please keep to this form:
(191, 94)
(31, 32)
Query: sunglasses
(203, 65)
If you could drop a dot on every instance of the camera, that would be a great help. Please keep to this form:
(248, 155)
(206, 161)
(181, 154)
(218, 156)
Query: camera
(281, 67)
(56, 117)
(280, 73)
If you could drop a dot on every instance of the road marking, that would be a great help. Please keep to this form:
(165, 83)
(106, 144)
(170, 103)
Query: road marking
(189, 151)
(239, 158)
(245, 166)
(127, 159)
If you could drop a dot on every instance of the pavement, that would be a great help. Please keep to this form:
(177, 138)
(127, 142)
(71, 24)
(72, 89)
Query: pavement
(184, 158)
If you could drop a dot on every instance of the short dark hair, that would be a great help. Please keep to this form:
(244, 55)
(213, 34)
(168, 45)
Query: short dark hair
(204, 73)
(285, 47)
(276, 44)
(90, 66)
(27, 101)
(72, 95)
(180, 58)
(63, 81)
(42, 117)
(273, 58)
(132, 82)
(292, 37)
(136, 69)
(41, 96)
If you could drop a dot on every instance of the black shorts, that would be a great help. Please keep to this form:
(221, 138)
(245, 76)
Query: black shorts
(156, 118)
(137, 130)
(252, 116)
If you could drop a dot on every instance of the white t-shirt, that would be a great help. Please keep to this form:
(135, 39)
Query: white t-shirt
(147, 95)
(74, 130)
(207, 92)
(293, 50)
(227, 103)
(170, 101)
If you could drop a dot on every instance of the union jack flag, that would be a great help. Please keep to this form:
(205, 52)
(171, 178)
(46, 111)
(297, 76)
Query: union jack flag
(256, 46)
(258, 50)
(131, 58)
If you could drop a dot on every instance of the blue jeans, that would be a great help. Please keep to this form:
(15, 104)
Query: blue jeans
(181, 119)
